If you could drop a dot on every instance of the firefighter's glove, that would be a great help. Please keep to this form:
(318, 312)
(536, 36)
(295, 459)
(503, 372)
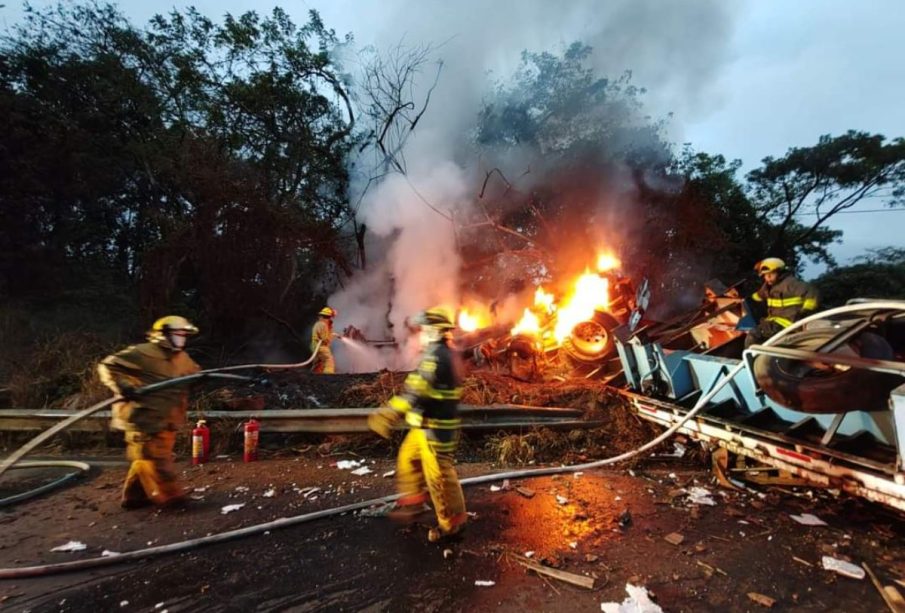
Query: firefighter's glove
(129, 392)
(382, 421)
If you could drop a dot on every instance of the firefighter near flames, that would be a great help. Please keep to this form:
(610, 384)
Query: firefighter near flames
(425, 467)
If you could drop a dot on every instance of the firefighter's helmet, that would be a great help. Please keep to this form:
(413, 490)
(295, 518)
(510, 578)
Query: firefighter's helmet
(769, 265)
(436, 317)
(165, 330)
(327, 312)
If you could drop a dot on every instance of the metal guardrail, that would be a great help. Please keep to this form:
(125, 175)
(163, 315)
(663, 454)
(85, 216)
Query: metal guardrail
(327, 421)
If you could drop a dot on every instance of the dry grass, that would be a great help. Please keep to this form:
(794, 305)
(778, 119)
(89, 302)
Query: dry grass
(60, 371)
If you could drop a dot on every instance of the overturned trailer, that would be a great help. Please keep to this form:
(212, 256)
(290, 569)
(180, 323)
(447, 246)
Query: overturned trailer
(823, 401)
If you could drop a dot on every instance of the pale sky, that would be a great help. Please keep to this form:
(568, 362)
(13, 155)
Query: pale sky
(774, 73)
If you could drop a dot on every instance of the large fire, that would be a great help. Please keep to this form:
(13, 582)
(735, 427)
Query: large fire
(589, 293)
(549, 318)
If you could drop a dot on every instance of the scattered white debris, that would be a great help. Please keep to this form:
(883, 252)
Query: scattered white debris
(71, 546)
(577, 475)
(201, 490)
(159, 605)
(506, 485)
(308, 492)
(241, 488)
(123, 603)
(231, 507)
(808, 520)
(106, 553)
(313, 400)
(574, 544)
(700, 495)
(364, 470)
(631, 472)
(447, 553)
(673, 476)
(269, 493)
(638, 601)
(847, 569)
(389, 473)
(495, 488)
(480, 583)
(471, 514)
(348, 464)
(618, 498)
(529, 554)
(562, 499)
(744, 523)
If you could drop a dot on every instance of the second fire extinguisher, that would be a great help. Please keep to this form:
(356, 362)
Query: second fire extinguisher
(201, 443)
(251, 440)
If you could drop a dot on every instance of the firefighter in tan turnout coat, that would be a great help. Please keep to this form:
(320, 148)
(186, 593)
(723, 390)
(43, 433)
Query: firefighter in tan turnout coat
(151, 420)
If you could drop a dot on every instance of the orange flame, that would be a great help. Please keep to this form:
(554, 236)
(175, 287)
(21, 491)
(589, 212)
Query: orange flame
(607, 261)
(544, 301)
(591, 293)
(528, 324)
(471, 321)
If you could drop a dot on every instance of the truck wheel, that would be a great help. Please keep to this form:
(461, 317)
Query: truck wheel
(818, 388)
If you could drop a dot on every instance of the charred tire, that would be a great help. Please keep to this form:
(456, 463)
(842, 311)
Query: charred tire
(793, 384)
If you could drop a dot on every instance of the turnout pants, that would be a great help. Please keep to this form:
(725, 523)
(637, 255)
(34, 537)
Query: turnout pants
(151, 476)
(324, 363)
(422, 471)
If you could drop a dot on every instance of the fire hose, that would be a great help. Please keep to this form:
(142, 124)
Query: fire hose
(212, 373)
(284, 522)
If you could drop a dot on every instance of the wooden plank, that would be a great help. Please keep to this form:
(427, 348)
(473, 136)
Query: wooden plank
(572, 578)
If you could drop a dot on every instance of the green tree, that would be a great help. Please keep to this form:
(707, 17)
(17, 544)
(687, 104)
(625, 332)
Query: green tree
(799, 192)
(879, 274)
(194, 164)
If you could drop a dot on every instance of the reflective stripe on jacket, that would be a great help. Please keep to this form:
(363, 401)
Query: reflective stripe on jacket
(431, 397)
(788, 300)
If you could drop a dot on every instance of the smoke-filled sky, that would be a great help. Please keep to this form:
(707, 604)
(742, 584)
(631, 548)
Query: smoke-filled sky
(745, 79)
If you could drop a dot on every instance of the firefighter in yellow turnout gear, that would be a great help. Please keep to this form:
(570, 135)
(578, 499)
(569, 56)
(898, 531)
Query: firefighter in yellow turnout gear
(151, 420)
(425, 466)
(787, 299)
(322, 333)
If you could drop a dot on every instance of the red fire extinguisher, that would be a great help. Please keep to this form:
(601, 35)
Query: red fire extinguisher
(251, 440)
(201, 443)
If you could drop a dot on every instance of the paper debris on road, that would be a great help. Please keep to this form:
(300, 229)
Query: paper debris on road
(389, 473)
(71, 546)
(348, 464)
(364, 470)
(106, 553)
(638, 601)
(700, 495)
(495, 488)
(269, 493)
(846, 569)
(231, 507)
(480, 583)
(562, 499)
(807, 519)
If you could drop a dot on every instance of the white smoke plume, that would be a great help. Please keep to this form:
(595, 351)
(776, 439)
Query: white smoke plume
(675, 49)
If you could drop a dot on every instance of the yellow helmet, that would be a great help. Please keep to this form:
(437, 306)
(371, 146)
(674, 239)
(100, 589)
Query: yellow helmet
(769, 265)
(162, 332)
(327, 312)
(435, 317)
(174, 323)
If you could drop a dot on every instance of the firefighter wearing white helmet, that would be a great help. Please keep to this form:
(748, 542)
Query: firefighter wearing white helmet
(425, 468)
(151, 420)
(786, 298)
(322, 333)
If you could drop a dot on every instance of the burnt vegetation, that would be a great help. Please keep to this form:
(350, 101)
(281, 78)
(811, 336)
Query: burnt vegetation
(202, 167)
